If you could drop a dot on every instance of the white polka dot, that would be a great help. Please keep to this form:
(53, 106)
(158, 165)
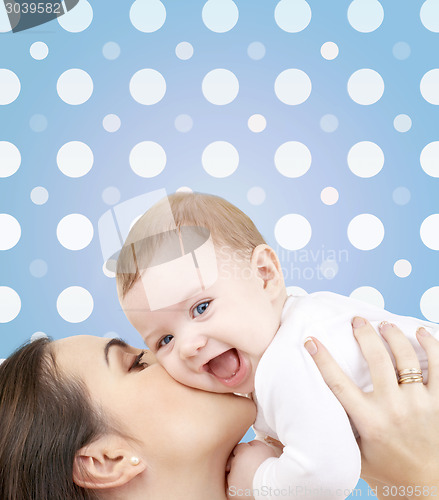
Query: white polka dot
(75, 86)
(77, 19)
(402, 268)
(74, 232)
(401, 50)
(365, 15)
(429, 15)
(257, 123)
(220, 15)
(220, 86)
(401, 195)
(365, 232)
(10, 231)
(429, 304)
(256, 195)
(110, 335)
(111, 123)
(109, 268)
(38, 123)
(184, 51)
(296, 291)
(147, 159)
(368, 294)
(10, 304)
(111, 51)
(292, 86)
(38, 335)
(10, 159)
(256, 51)
(75, 304)
(329, 196)
(430, 232)
(184, 189)
(329, 123)
(329, 50)
(292, 159)
(39, 51)
(39, 195)
(148, 15)
(9, 86)
(147, 86)
(402, 123)
(75, 159)
(292, 16)
(111, 195)
(220, 159)
(365, 159)
(329, 269)
(430, 86)
(38, 268)
(184, 123)
(430, 159)
(365, 86)
(293, 231)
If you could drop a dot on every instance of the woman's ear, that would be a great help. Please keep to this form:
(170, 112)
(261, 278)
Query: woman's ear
(108, 462)
(267, 267)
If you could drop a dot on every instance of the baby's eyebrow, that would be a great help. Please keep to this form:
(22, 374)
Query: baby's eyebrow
(113, 342)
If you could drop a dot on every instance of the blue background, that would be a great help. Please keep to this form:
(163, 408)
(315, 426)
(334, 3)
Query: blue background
(111, 94)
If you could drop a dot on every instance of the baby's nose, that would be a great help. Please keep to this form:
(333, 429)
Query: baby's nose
(191, 347)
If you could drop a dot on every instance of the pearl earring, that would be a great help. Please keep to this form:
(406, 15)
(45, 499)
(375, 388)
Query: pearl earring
(134, 461)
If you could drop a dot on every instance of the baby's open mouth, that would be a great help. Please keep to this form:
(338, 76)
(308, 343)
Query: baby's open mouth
(226, 365)
(229, 368)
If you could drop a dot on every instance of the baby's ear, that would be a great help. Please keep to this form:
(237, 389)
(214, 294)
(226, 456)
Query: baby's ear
(108, 462)
(266, 264)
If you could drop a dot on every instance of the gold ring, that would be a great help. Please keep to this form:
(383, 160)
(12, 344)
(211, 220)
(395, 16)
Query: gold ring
(411, 379)
(409, 371)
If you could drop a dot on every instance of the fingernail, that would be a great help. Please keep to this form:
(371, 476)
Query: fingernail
(310, 346)
(384, 325)
(358, 322)
(423, 332)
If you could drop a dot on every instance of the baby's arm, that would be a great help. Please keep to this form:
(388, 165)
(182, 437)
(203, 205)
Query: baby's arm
(245, 460)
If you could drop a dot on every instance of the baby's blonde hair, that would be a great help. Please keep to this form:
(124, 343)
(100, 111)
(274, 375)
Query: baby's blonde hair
(228, 226)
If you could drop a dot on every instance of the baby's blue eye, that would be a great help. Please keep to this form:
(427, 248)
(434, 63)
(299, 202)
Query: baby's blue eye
(200, 309)
(165, 340)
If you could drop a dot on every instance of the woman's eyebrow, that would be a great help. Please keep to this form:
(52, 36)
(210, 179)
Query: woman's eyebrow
(113, 342)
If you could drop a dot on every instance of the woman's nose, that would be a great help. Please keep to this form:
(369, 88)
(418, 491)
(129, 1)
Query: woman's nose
(191, 346)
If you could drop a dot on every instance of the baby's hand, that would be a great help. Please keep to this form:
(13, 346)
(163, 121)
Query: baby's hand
(244, 461)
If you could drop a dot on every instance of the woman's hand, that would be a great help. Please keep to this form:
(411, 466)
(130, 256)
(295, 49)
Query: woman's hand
(398, 423)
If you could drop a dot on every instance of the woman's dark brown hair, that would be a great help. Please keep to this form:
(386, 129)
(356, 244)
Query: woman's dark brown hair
(44, 420)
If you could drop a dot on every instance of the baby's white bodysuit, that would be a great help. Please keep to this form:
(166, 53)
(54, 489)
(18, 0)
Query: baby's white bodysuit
(321, 458)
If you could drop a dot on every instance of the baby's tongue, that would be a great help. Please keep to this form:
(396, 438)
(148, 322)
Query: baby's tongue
(225, 365)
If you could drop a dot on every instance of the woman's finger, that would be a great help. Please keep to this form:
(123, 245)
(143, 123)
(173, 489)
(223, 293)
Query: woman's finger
(380, 364)
(403, 352)
(431, 347)
(349, 395)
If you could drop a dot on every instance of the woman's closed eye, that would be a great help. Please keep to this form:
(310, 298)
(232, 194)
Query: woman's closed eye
(199, 309)
(138, 364)
(164, 341)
